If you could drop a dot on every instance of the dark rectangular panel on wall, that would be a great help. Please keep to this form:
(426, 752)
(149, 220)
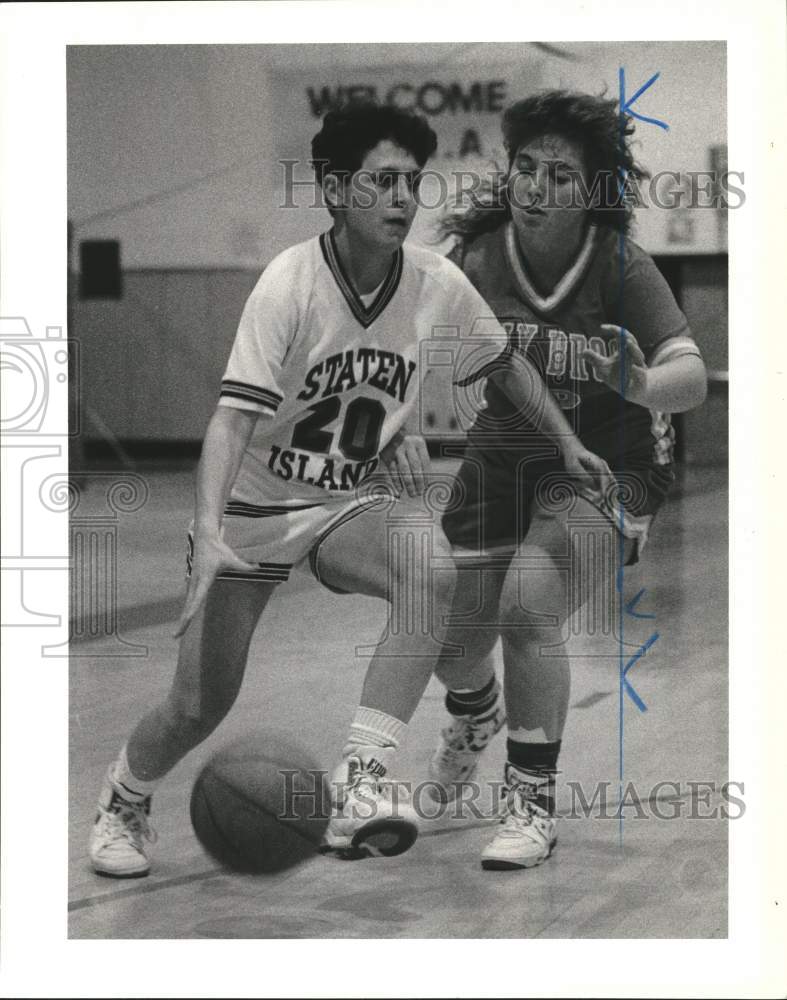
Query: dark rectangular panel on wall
(705, 303)
(99, 270)
(171, 333)
(699, 283)
(672, 271)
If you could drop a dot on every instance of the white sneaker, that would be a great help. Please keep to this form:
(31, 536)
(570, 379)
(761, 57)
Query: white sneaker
(369, 817)
(458, 753)
(118, 842)
(527, 835)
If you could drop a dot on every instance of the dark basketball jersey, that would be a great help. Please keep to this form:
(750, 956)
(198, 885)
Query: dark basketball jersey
(612, 281)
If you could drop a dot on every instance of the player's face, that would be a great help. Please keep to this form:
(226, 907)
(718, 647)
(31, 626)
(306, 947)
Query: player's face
(379, 200)
(546, 203)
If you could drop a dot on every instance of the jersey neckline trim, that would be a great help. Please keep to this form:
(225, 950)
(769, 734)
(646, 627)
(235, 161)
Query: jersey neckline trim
(567, 283)
(365, 315)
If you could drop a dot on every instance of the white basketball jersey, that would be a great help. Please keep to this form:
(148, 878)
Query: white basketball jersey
(334, 377)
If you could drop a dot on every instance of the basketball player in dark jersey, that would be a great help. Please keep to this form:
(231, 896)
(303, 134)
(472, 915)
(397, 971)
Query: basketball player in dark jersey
(549, 252)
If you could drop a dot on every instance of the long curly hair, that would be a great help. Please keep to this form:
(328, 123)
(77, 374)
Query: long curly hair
(599, 130)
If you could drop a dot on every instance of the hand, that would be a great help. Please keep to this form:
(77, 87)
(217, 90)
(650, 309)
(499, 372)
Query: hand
(608, 369)
(584, 465)
(211, 557)
(407, 462)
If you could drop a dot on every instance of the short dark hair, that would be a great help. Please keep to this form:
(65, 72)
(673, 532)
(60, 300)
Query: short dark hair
(350, 132)
(594, 123)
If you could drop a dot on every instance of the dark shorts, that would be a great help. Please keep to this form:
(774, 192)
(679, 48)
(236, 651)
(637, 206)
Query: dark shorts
(496, 493)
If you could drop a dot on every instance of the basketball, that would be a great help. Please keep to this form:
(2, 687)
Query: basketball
(260, 805)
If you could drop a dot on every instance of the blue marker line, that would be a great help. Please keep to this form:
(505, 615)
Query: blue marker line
(637, 656)
(634, 696)
(624, 687)
(626, 105)
(621, 537)
(633, 603)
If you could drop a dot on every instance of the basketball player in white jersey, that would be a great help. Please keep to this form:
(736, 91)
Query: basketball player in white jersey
(320, 388)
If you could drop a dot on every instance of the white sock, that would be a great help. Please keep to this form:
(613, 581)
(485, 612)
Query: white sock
(371, 728)
(130, 786)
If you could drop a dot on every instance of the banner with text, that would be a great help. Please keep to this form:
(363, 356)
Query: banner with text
(463, 104)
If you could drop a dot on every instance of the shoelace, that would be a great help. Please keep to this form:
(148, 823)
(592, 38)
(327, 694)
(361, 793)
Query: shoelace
(363, 776)
(377, 786)
(131, 823)
(521, 811)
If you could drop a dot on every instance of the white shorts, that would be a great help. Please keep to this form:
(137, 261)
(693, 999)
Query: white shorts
(277, 538)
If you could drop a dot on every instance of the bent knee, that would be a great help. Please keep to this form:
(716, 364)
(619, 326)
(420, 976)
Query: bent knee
(431, 573)
(525, 626)
(467, 648)
(442, 583)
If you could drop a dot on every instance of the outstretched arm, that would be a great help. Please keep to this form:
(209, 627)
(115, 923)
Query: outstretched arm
(676, 385)
(525, 388)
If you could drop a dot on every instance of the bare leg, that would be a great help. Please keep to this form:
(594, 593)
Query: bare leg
(473, 703)
(566, 558)
(388, 552)
(539, 597)
(211, 664)
(473, 627)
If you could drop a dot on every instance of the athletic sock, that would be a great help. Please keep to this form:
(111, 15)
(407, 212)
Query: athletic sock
(473, 702)
(129, 786)
(535, 764)
(371, 728)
